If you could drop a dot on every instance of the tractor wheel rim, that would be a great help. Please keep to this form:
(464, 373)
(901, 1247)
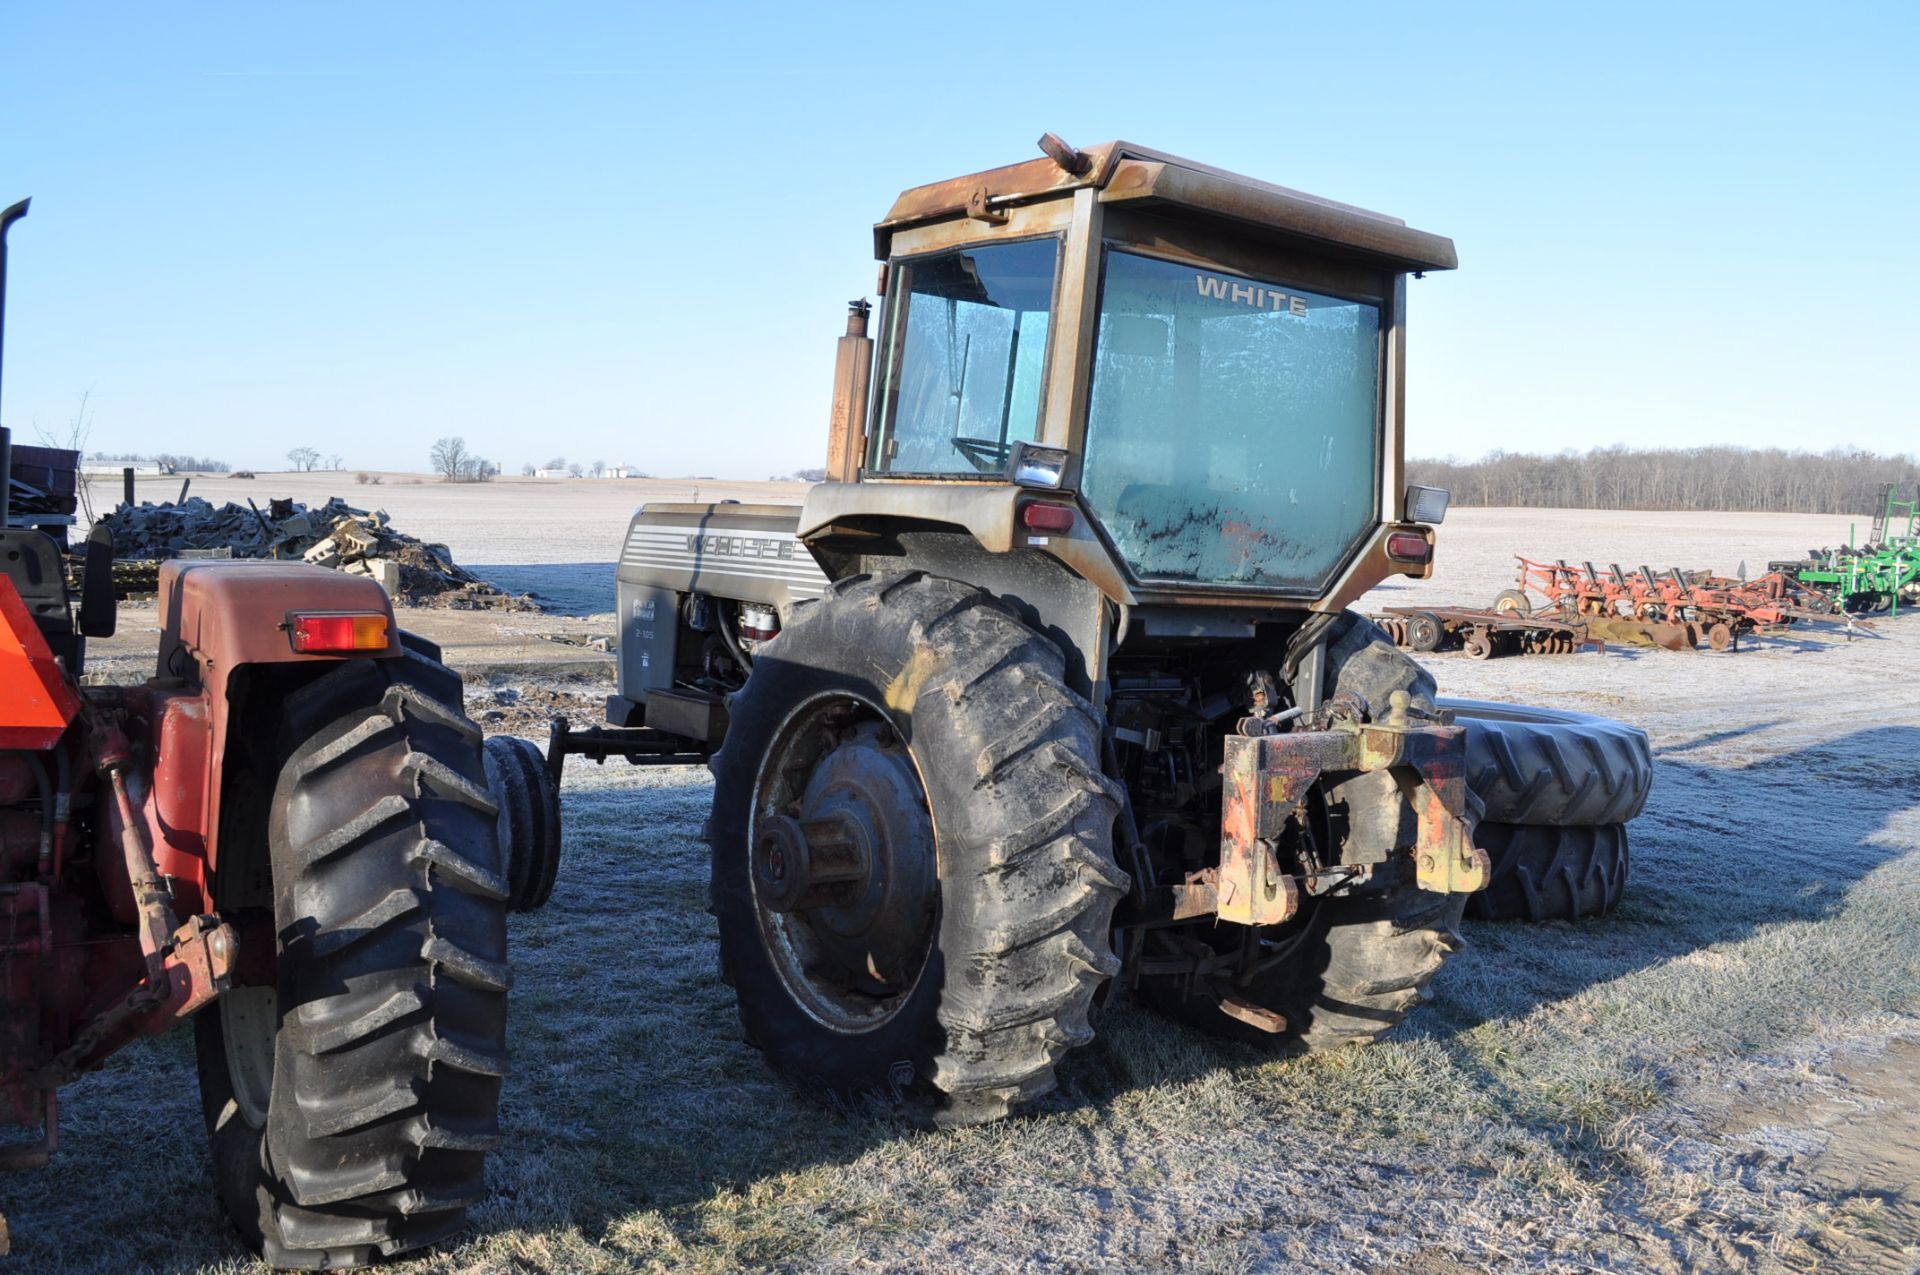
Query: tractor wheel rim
(850, 951)
(249, 1016)
(247, 1027)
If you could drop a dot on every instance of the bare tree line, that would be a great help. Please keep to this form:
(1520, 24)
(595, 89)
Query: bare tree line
(1719, 479)
(180, 462)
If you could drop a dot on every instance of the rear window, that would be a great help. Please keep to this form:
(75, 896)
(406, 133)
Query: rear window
(1233, 432)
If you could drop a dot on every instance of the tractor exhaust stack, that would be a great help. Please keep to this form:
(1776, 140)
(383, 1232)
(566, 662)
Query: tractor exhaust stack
(7, 218)
(852, 367)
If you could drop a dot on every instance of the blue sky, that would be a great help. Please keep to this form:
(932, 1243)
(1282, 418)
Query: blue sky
(627, 233)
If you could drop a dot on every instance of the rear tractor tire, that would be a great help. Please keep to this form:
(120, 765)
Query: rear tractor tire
(1552, 767)
(912, 841)
(350, 1105)
(1543, 873)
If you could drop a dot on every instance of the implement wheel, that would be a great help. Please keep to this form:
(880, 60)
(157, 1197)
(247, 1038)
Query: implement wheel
(913, 850)
(351, 1104)
(1425, 632)
(1721, 637)
(1512, 602)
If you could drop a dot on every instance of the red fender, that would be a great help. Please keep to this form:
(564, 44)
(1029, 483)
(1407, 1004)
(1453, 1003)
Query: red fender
(217, 618)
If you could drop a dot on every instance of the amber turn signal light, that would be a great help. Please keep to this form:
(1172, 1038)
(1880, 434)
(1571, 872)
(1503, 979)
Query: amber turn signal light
(1408, 546)
(327, 634)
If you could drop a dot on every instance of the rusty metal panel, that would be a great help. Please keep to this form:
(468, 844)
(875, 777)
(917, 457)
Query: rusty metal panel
(1266, 780)
(994, 189)
(1256, 801)
(1125, 172)
(180, 775)
(1322, 222)
(847, 425)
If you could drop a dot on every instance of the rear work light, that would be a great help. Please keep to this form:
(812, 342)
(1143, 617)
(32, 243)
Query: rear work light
(1408, 546)
(1044, 515)
(320, 634)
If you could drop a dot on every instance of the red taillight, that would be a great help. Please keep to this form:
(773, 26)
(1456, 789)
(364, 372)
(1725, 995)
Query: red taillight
(323, 634)
(1408, 546)
(1044, 515)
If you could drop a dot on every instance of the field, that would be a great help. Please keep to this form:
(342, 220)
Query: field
(1719, 1076)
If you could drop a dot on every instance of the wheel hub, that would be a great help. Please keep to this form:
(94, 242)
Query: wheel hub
(842, 860)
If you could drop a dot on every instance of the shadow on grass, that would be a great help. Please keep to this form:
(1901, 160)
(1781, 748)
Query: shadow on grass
(1715, 737)
(1718, 854)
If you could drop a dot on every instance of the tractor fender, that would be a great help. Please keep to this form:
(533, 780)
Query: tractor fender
(844, 514)
(1065, 584)
(218, 620)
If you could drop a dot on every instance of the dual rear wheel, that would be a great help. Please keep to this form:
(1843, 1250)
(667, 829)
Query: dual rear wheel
(351, 1104)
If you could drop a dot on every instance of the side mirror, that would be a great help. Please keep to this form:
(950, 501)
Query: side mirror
(1031, 465)
(1427, 504)
(98, 615)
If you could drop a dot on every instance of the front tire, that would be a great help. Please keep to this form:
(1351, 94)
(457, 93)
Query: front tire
(954, 954)
(529, 801)
(351, 1105)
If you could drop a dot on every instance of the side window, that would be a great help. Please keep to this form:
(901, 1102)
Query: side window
(966, 343)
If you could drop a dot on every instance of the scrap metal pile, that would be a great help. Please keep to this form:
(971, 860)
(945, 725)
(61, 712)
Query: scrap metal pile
(335, 535)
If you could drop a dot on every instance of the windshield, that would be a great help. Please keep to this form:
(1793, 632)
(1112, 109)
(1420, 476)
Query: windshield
(1233, 432)
(966, 345)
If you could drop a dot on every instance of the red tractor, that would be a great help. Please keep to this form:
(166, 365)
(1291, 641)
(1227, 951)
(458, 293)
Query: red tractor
(288, 835)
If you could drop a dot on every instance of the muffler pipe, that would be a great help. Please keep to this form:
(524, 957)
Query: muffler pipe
(7, 218)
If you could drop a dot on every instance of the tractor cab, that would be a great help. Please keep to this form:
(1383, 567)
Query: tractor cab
(1207, 366)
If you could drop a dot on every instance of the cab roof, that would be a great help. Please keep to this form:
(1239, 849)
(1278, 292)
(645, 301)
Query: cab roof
(1137, 176)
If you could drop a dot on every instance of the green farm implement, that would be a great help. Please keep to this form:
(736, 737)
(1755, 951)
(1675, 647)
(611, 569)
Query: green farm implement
(1876, 576)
